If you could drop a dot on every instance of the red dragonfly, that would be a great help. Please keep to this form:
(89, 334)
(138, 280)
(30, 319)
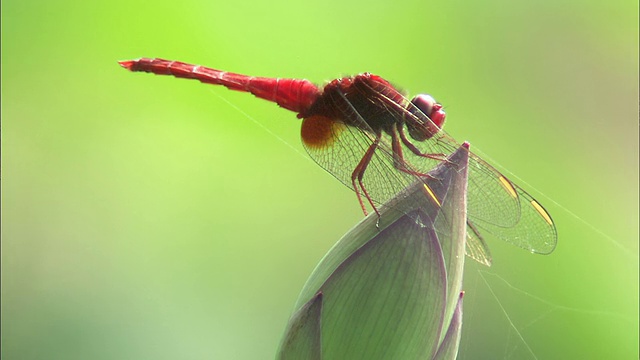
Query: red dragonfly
(369, 136)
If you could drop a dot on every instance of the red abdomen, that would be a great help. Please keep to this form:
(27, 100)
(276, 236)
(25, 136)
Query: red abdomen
(292, 94)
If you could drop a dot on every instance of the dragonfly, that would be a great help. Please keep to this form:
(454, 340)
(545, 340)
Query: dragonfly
(376, 141)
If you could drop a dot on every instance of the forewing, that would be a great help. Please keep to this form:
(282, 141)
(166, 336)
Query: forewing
(491, 199)
(495, 205)
(530, 227)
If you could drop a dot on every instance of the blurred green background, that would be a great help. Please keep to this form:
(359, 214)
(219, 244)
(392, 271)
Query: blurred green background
(147, 217)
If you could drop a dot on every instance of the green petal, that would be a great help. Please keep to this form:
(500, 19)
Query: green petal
(302, 340)
(386, 300)
(449, 347)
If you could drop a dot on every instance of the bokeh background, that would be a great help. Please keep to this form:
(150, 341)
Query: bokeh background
(146, 217)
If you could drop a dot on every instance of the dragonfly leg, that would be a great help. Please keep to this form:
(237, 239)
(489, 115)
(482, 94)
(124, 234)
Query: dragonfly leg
(358, 174)
(398, 158)
(415, 150)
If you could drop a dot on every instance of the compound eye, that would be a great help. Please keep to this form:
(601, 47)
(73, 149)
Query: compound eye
(428, 106)
(425, 103)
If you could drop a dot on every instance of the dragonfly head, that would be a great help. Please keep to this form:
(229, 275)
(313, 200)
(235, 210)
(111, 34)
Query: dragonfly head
(428, 117)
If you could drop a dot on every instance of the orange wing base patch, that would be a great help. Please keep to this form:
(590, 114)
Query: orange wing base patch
(320, 131)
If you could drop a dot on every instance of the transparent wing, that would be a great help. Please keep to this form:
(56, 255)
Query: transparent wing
(495, 205)
(535, 232)
(341, 155)
(477, 248)
(491, 197)
(529, 227)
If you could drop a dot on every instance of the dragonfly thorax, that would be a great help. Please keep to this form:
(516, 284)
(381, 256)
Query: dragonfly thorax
(372, 104)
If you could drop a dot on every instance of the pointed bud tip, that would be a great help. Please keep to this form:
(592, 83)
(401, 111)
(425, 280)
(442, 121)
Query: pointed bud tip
(466, 145)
